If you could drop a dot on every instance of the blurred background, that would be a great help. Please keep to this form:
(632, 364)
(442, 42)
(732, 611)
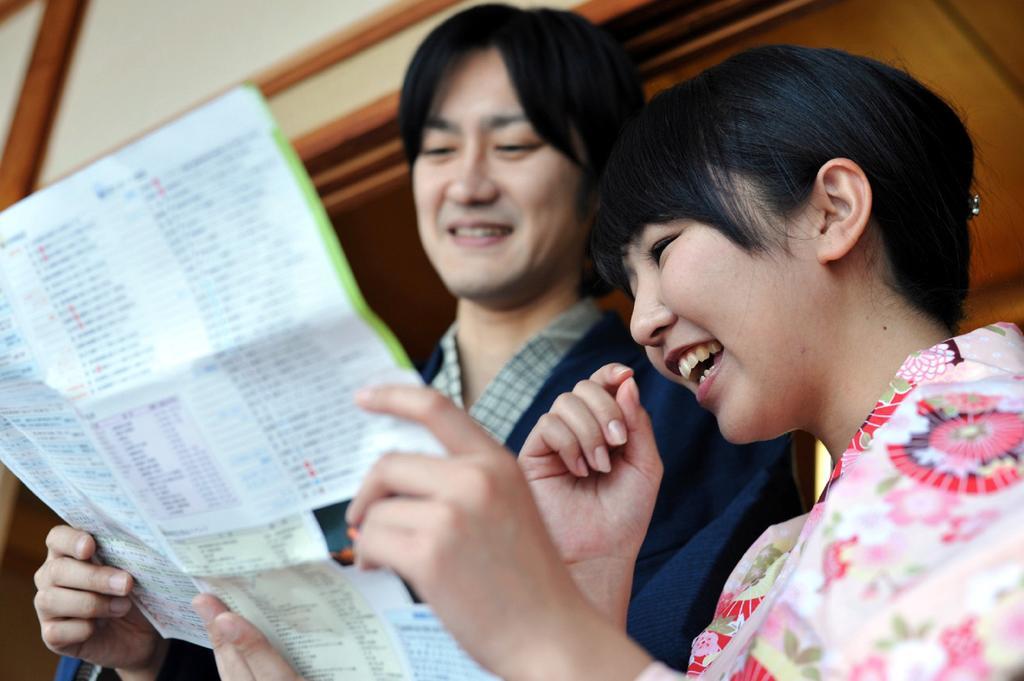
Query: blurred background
(81, 77)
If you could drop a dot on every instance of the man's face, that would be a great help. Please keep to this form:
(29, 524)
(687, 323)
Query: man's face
(497, 206)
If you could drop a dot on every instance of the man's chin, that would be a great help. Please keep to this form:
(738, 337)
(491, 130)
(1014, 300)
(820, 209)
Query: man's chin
(491, 294)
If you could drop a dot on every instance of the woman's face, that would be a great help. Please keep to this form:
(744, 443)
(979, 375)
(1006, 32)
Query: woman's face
(736, 328)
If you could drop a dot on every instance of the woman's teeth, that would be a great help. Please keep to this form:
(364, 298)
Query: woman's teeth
(697, 355)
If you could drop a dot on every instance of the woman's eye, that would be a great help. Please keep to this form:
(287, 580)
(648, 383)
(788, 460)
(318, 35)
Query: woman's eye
(437, 151)
(658, 248)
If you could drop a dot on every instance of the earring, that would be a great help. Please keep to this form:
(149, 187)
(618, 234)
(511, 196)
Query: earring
(973, 206)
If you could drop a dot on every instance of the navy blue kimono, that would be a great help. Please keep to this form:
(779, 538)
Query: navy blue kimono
(715, 500)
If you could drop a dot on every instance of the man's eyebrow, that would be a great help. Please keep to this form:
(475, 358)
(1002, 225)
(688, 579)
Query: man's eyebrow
(494, 122)
(438, 123)
(504, 120)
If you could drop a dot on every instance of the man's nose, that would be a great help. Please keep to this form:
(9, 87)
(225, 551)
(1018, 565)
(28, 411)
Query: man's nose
(473, 183)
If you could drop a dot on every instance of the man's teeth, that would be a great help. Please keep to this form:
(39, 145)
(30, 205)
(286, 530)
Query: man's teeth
(696, 356)
(480, 232)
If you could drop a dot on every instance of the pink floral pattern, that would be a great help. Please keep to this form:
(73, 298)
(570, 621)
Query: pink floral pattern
(913, 567)
(920, 505)
(706, 644)
(872, 669)
(924, 366)
(928, 364)
(972, 453)
(967, 527)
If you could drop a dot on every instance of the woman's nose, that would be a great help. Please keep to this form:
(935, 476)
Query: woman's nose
(650, 317)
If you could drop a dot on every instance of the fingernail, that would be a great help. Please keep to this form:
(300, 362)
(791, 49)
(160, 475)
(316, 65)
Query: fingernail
(119, 582)
(622, 370)
(363, 395)
(120, 606)
(353, 533)
(80, 546)
(601, 460)
(617, 433)
(582, 469)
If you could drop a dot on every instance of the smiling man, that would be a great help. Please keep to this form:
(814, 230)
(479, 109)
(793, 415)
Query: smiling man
(508, 117)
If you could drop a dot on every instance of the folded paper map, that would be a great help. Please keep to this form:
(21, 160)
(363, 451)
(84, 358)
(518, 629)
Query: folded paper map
(181, 340)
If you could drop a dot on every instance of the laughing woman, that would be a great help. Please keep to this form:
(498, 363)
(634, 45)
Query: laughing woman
(793, 227)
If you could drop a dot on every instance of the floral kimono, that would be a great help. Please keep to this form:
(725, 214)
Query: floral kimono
(911, 565)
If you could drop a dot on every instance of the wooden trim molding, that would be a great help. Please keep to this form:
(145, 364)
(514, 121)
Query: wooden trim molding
(9, 7)
(358, 157)
(349, 41)
(674, 39)
(40, 94)
(382, 25)
(601, 12)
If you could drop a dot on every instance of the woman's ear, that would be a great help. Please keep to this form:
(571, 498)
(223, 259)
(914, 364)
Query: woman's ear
(841, 198)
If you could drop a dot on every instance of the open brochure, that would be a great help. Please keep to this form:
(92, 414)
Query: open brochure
(181, 340)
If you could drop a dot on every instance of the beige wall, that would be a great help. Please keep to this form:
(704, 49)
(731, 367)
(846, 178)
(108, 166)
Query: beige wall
(365, 77)
(17, 38)
(139, 62)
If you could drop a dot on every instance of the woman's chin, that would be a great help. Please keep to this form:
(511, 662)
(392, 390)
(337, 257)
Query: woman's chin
(744, 428)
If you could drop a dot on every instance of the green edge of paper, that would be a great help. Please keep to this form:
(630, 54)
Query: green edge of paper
(334, 250)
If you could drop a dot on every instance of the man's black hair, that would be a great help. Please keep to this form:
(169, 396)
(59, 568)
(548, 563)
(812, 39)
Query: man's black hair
(571, 77)
(576, 84)
(739, 147)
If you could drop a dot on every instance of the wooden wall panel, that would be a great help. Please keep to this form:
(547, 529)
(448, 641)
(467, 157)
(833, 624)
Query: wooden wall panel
(381, 242)
(920, 35)
(997, 26)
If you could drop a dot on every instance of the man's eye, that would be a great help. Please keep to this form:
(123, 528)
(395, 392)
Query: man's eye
(437, 151)
(516, 148)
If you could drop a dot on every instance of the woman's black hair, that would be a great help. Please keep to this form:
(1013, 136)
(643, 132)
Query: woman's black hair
(748, 136)
(576, 84)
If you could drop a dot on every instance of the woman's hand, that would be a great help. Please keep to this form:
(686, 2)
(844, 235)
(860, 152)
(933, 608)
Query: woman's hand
(241, 651)
(594, 470)
(84, 610)
(465, 533)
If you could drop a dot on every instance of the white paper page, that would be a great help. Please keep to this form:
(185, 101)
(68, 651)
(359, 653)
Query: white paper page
(43, 443)
(187, 277)
(163, 592)
(196, 339)
(292, 540)
(319, 616)
(431, 652)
